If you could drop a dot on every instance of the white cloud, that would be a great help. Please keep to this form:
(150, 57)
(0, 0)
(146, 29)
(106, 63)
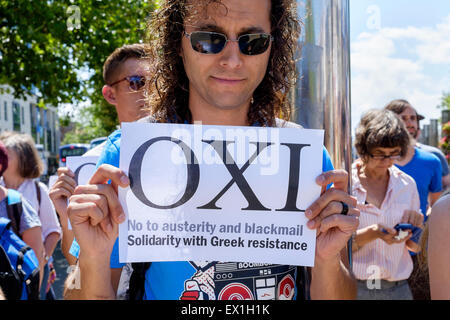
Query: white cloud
(393, 63)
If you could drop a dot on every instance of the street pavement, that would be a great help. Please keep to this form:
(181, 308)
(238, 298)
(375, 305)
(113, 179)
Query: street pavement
(61, 267)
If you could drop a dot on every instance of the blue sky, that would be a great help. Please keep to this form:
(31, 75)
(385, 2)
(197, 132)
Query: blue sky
(399, 49)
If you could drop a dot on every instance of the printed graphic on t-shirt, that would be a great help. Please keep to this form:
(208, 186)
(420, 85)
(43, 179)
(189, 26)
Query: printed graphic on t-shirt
(240, 281)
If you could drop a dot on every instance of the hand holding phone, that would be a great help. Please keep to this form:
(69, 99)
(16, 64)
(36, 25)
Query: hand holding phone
(416, 231)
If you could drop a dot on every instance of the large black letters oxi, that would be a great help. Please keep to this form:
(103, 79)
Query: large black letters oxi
(193, 174)
(294, 176)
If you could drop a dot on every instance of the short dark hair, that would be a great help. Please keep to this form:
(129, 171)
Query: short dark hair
(3, 158)
(380, 129)
(30, 165)
(120, 55)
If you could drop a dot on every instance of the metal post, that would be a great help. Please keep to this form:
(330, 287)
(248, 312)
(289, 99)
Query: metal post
(445, 116)
(321, 98)
(434, 134)
(426, 134)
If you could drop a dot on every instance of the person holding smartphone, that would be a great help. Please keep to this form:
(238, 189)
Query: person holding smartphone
(386, 197)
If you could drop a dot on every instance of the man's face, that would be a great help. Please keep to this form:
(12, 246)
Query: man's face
(227, 80)
(409, 117)
(128, 102)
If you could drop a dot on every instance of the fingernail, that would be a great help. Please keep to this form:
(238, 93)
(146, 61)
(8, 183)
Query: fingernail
(125, 180)
(320, 179)
(308, 213)
(121, 218)
(310, 224)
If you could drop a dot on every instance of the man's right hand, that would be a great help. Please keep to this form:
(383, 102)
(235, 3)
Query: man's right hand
(95, 211)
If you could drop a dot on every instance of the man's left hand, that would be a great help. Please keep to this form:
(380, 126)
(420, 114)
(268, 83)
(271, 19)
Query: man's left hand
(333, 228)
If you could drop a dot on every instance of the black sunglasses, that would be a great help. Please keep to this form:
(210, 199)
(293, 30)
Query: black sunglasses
(136, 83)
(213, 42)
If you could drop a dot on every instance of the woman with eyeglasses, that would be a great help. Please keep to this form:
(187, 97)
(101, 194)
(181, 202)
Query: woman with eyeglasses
(386, 197)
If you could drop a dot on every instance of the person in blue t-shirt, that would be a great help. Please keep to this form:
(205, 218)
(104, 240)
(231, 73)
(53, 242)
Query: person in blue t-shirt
(203, 77)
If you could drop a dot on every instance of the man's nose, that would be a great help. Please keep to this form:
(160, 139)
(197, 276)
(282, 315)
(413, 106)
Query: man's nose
(231, 56)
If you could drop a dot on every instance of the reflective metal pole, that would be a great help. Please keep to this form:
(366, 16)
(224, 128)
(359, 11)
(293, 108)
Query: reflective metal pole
(321, 98)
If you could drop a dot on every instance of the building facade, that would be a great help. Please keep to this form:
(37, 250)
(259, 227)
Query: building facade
(25, 116)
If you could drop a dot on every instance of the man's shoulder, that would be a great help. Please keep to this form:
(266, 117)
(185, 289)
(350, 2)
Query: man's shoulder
(428, 148)
(114, 138)
(426, 156)
(96, 151)
(147, 119)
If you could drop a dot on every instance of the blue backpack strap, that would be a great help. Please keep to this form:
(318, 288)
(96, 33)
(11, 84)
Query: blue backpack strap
(14, 209)
(13, 197)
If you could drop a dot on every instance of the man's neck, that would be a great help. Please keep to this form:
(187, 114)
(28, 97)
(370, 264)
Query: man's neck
(206, 114)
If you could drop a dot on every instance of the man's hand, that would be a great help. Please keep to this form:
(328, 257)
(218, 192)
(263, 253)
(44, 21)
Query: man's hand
(95, 211)
(61, 191)
(333, 228)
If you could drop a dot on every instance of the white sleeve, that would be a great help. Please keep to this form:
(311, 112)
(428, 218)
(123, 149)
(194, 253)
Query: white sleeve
(47, 214)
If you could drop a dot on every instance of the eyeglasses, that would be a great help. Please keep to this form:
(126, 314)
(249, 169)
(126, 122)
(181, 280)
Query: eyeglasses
(382, 157)
(213, 43)
(136, 83)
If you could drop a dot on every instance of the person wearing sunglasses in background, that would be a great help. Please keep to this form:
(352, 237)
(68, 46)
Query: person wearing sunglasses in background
(124, 73)
(386, 196)
(220, 63)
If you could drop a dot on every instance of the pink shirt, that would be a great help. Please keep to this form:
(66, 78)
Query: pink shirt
(377, 259)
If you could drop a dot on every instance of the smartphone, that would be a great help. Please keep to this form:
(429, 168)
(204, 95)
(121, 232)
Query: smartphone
(416, 231)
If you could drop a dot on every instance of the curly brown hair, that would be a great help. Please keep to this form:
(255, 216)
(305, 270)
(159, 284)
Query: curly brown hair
(170, 101)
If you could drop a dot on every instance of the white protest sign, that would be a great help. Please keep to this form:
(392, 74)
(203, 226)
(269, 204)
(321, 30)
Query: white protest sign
(213, 193)
(51, 180)
(83, 168)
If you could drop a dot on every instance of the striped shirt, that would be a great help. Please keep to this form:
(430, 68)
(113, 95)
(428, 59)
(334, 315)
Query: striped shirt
(377, 259)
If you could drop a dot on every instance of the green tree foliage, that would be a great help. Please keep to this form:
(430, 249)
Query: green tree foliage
(48, 44)
(445, 101)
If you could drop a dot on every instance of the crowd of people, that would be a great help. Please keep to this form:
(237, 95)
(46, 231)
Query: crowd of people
(396, 215)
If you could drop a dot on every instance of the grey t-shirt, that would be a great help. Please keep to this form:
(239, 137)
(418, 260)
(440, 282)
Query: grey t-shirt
(29, 218)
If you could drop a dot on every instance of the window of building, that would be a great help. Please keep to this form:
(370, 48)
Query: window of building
(16, 116)
(33, 121)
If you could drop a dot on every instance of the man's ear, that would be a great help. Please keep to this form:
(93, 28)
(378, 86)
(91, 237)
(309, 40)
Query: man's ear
(109, 94)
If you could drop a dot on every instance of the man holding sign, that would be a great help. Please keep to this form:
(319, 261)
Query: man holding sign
(221, 64)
